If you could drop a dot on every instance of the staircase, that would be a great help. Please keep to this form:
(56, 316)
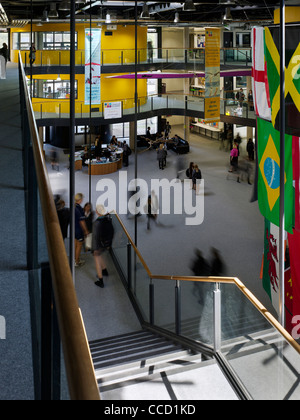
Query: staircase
(145, 366)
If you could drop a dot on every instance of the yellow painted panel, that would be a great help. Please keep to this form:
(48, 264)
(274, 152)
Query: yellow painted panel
(112, 90)
(120, 44)
(292, 14)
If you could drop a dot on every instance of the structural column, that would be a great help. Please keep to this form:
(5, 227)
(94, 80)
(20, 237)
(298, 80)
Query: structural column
(186, 43)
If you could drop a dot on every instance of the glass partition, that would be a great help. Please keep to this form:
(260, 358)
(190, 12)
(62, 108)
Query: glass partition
(56, 56)
(266, 364)
(197, 311)
(164, 304)
(140, 285)
(120, 245)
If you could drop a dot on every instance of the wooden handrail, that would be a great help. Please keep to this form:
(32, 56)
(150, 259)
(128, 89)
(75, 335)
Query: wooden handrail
(78, 361)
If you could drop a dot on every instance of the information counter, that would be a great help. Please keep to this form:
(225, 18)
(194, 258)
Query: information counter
(104, 168)
(206, 130)
(111, 161)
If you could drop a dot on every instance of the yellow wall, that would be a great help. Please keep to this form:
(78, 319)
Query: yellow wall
(123, 39)
(292, 14)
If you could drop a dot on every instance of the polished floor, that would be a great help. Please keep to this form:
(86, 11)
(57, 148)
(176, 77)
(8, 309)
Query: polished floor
(232, 224)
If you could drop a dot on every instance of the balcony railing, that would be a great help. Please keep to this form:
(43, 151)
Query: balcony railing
(223, 316)
(229, 56)
(155, 103)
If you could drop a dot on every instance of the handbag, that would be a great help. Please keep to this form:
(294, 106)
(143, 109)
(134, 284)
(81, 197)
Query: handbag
(88, 242)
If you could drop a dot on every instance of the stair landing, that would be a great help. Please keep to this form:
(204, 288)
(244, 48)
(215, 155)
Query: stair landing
(145, 366)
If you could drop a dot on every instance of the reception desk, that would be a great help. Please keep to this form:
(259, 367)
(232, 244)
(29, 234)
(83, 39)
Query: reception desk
(113, 161)
(96, 168)
(206, 130)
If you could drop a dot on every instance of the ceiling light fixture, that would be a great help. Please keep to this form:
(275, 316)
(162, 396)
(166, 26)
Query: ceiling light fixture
(145, 13)
(53, 13)
(228, 16)
(189, 6)
(176, 19)
(65, 6)
(45, 18)
(227, 3)
(107, 19)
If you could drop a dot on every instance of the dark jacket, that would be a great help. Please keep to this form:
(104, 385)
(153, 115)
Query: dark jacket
(161, 154)
(196, 175)
(64, 220)
(103, 233)
(4, 52)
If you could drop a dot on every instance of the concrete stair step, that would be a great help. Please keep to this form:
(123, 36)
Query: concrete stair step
(125, 375)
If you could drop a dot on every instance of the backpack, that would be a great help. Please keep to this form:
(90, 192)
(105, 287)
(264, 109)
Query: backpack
(105, 232)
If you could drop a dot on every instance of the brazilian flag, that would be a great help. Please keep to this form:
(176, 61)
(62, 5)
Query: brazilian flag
(292, 78)
(268, 148)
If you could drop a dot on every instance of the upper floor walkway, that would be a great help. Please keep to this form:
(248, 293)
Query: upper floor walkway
(156, 59)
(188, 63)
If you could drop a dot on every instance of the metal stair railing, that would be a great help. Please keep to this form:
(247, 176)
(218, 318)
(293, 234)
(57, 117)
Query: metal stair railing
(162, 305)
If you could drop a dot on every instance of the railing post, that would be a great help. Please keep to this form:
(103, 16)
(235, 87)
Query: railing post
(217, 318)
(129, 266)
(50, 340)
(151, 302)
(178, 307)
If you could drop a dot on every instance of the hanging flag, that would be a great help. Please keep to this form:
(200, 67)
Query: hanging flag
(93, 66)
(292, 287)
(292, 77)
(296, 176)
(268, 149)
(270, 267)
(260, 85)
(212, 75)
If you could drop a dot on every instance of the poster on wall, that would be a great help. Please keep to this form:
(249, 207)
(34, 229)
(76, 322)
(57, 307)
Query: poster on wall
(93, 66)
(212, 75)
(112, 110)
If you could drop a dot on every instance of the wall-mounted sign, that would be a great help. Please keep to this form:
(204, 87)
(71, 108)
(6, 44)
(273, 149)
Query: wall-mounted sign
(112, 110)
(93, 66)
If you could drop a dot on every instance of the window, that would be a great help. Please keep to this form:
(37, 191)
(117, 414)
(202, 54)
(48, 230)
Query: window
(22, 41)
(144, 124)
(56, 40)
(43, 40)
(120, 130)
(52, 89)
(152, 40)
(241, 82)
(243, 39)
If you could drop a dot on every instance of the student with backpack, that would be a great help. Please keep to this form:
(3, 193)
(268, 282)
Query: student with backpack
(103, 233)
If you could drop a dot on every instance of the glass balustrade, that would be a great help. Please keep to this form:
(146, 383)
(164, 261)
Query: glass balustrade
(61, 108)
(117, 57)
(264, 362)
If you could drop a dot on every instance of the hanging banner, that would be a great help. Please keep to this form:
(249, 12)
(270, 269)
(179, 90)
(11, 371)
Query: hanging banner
(93, 66)
(212, 74)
